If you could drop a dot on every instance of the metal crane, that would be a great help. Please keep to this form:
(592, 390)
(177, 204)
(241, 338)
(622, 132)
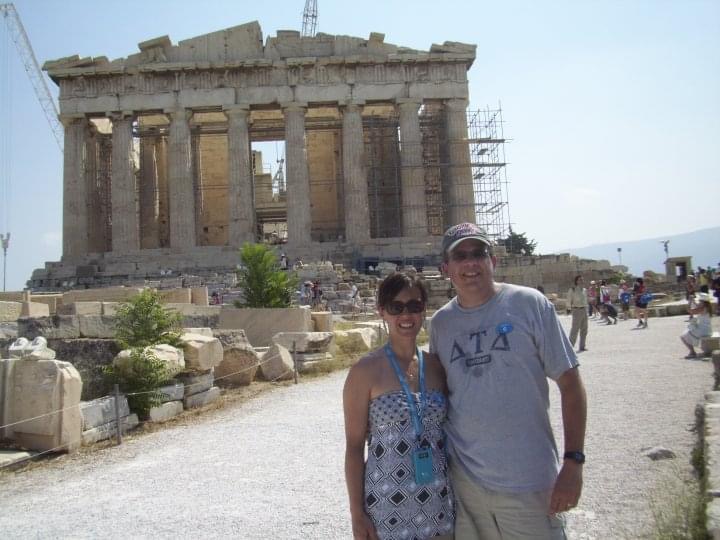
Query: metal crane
(30, 63)
(309, 18)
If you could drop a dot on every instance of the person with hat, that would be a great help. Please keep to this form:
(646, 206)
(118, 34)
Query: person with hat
(498, 344)
(700, 326)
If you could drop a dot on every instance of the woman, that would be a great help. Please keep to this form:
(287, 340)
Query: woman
(700, 326)
(395, 401)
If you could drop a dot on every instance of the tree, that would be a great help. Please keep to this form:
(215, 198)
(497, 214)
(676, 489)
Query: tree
(518, 243)
(263, 284)
(143, 321)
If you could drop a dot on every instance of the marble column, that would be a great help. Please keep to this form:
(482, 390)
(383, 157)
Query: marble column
(241, 204)
(412, 174)
(297, 175)
(461, 199)
(96, 226)
(180, 181)
(123, 196)
(356, 204)
(75, 215)
(149, 191)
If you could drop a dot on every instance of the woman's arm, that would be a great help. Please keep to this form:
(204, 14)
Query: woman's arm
(356, 400)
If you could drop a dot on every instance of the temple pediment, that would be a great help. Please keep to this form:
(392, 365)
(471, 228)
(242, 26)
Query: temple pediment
(243, 44)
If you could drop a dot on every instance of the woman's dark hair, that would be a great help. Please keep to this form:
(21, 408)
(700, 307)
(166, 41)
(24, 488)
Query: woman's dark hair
(395, 283)
(640, 281)
(579, 276)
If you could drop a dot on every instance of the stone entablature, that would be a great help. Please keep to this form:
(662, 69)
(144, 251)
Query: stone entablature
(232, 67)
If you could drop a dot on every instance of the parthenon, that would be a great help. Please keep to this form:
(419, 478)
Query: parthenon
(159, 169)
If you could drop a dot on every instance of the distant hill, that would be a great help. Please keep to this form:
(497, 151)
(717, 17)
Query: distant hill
(640, 255)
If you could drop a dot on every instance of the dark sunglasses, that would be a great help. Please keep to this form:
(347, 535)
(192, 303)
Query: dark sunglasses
(411, 306)
(460, 256)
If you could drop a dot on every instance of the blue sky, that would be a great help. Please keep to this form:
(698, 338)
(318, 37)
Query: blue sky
(613, 107)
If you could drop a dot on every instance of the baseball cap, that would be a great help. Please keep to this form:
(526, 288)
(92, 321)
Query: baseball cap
(462, 231)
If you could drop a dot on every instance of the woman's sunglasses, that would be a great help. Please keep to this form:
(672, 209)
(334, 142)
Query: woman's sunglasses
(411, 306)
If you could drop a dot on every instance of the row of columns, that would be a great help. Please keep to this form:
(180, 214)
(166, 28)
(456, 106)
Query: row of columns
(127, 218)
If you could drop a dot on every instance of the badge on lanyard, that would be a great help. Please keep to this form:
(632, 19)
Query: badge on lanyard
(422, 455)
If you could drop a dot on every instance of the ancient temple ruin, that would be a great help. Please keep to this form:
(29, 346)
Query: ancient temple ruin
(159, 172)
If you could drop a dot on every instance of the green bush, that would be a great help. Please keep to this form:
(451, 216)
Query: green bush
(143, 321)
(139, 377)
(263, 284)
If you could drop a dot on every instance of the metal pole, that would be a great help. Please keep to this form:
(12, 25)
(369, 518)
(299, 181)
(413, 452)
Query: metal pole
(295, 363)
(5, 243)
(118, 425)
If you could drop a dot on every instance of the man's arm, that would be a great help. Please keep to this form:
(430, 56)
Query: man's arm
(568, 485)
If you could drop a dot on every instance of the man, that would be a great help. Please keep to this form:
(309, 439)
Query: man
(577, 303)
(498, 344)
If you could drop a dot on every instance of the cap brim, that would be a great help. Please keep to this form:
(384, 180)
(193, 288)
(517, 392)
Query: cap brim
(452, 246)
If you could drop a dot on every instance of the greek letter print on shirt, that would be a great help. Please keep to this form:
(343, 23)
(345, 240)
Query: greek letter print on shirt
(476, 348)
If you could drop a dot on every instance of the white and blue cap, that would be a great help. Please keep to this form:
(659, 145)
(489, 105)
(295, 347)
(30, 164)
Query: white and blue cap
(462, 231)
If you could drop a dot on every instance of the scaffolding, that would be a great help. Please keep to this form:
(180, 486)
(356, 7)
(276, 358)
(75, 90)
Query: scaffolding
(489, 171)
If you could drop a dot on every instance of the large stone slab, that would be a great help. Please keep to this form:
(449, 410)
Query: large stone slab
(201, 352)
(48, 393)
(172, 357)
(355, 340)
(165, 411)
(34, 309)
(277, 364)
(172, 392)
(101, 411)
(202, 399)
(238, 367)
(105, 294)
(305, 342)
(55, 327)
(196, 383)
(81, 308)
(107, 431)
(261, 325)
(97, 326)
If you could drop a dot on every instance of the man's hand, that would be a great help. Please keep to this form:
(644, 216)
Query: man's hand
(362, 527)
(568, 487)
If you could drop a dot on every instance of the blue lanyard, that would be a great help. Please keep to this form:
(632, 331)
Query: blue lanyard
(415, 414)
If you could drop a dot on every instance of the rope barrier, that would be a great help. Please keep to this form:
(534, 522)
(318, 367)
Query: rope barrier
(140, 393)
(111, 423)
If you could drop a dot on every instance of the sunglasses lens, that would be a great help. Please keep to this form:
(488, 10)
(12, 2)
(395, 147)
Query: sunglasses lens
(412, 306)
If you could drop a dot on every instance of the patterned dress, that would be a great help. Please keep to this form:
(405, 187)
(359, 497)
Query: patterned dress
(399, 508)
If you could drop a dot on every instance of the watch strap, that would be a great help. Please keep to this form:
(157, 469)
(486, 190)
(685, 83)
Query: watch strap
(575, 455)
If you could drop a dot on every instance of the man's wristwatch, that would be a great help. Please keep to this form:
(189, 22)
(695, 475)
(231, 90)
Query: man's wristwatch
(577, 456)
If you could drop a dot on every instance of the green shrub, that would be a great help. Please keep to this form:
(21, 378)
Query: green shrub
(263, 284)
(143, 321)
(139, 377)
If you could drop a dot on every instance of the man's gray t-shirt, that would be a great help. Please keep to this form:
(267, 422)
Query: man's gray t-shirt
(497, 358)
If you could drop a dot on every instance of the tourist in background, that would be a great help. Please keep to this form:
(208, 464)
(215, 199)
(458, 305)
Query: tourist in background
(591, 293)
(499, 343)
(699, 326)
(641, 302)
(578, 305)
(624, 297)
(607, 310)
(395, 404)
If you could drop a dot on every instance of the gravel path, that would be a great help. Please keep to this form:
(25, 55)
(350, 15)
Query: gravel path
(273, 467)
